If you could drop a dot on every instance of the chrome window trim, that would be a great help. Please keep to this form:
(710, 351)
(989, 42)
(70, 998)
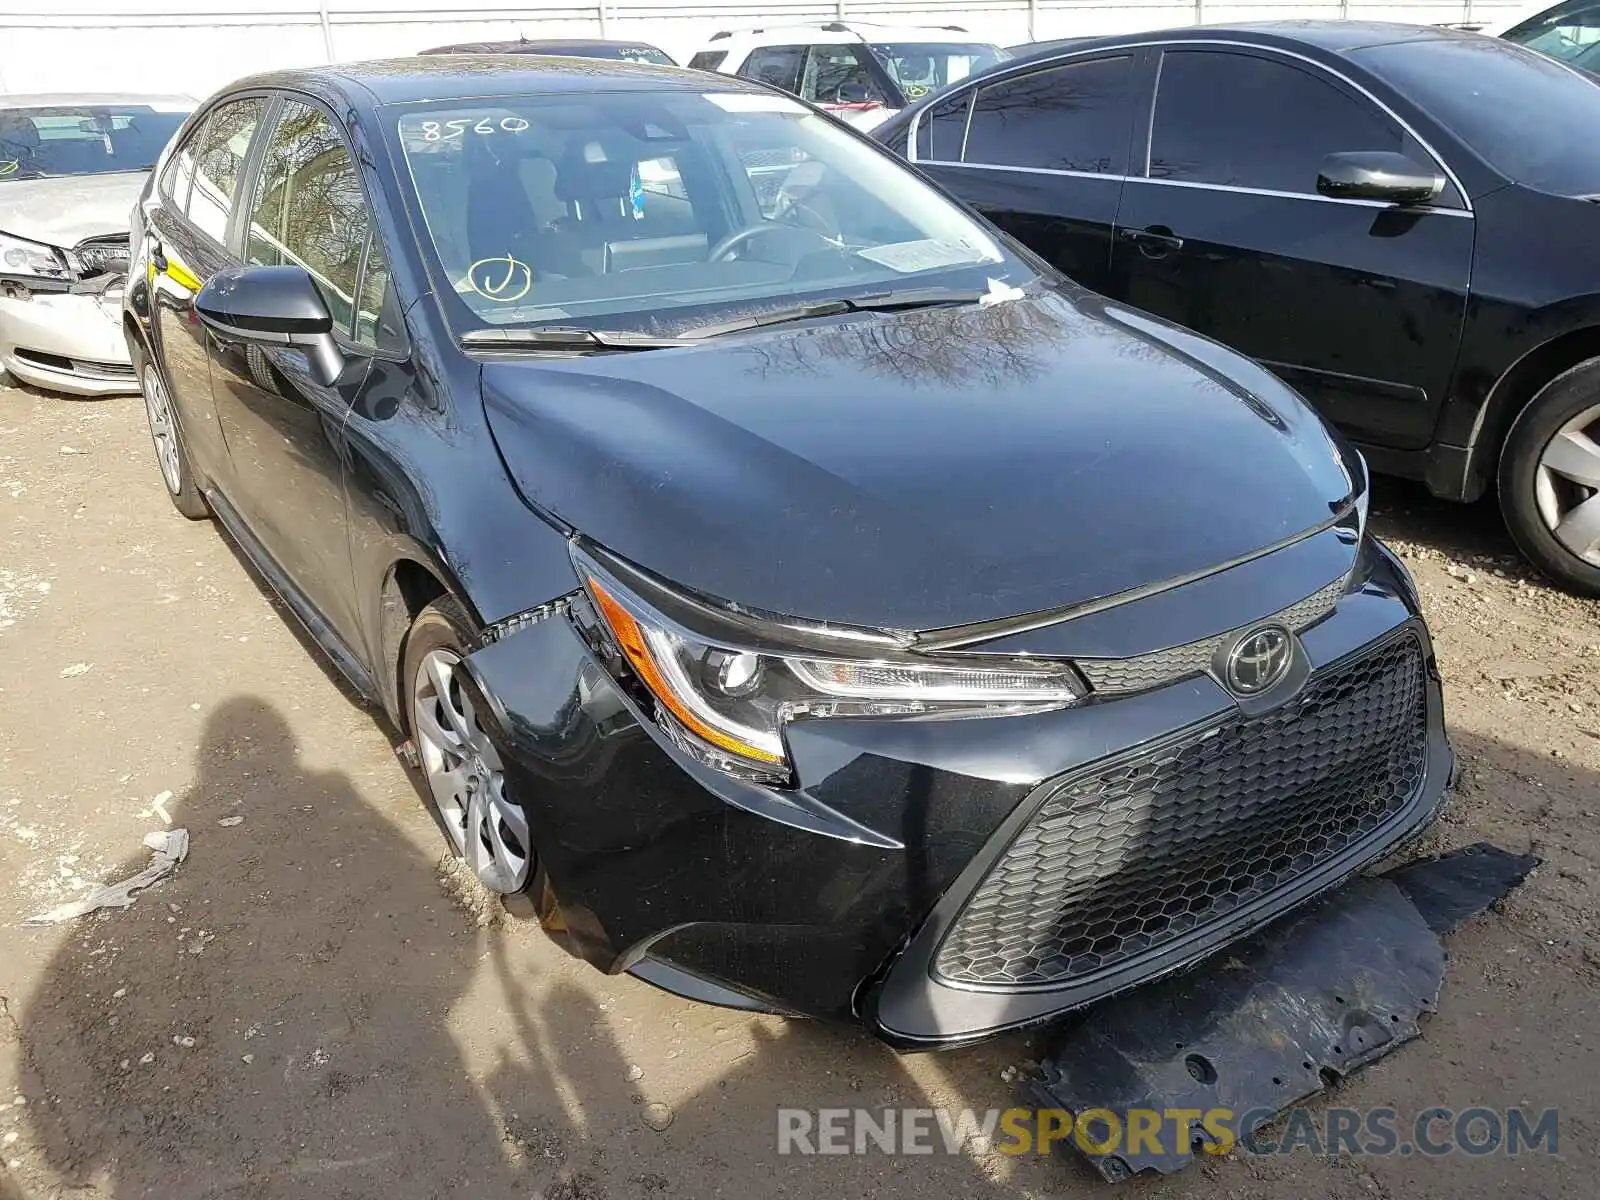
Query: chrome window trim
(1248, 191)
(1168, 43)
(1205, 187)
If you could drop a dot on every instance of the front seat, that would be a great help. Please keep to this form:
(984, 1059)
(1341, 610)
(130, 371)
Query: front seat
(501, 218)
(595, 186)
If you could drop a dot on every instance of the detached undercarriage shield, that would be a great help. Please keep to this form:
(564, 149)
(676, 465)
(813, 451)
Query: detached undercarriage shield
(1293, 1009)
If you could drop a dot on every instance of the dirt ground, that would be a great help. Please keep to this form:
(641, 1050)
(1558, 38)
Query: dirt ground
(307, 1008)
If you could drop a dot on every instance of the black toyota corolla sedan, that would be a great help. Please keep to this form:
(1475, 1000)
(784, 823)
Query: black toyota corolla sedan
(1402, 222)
(806, 598)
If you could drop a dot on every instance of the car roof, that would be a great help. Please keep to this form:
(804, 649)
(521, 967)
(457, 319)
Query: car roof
(463, 76)
(537, 45)
(168, 103)
(1343, 36)
(1331, 36)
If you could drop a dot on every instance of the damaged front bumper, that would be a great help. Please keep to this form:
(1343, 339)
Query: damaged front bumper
(66, 338)
(943, 880)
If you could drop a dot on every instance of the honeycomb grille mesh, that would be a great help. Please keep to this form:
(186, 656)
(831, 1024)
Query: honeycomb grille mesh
(1145, 671)
(1119, 862)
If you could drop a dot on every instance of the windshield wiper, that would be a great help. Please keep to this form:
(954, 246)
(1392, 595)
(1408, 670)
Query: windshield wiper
(566, 338)
(572, 338)
(894, 301)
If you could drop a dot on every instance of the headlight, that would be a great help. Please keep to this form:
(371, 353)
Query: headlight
(726, 699)
(19, 257)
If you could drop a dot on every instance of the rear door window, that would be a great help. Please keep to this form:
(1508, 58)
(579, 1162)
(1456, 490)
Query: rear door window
(942, 132)
(1244, 121)
(839, 75)
(1075, 117)
(778, 65)
(178, 175)
(219, 163)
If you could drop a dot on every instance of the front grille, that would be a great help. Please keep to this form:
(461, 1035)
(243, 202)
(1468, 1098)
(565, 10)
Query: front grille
(1111, 676)
(1120, 861)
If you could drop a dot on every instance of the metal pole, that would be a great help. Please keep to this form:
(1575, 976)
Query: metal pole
(1033, 20)
(1199, 12)
(327, 28)
(602, 7)
(839, 10)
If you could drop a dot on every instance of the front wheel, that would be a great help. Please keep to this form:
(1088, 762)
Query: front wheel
(1550, 479)
(459, 763)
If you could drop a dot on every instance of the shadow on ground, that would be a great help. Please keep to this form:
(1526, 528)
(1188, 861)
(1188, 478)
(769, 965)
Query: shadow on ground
(1405, 511)
(356, 1034)
(301, 1011)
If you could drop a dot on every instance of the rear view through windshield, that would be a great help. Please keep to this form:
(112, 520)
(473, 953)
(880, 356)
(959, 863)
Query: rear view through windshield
(37, 143)
(1570, 32)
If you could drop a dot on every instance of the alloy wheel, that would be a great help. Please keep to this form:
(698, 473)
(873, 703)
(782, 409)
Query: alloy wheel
(466, 776)
(158, 408)
(1567, 486)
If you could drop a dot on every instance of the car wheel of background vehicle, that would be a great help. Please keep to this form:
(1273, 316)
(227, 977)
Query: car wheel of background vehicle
(171, 457)
(460, 765)
(1550, 478)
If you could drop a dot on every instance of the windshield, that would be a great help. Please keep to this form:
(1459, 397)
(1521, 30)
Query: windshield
(83, 140)
(1570, 32)
(1528, 117)
(644, 210)
(923, 67)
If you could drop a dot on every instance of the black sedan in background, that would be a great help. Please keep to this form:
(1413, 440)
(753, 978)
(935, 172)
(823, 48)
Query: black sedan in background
(811, 603)
(1402, 222)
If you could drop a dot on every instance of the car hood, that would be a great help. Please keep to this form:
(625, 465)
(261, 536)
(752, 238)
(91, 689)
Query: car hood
(924, 469)
(64, 210)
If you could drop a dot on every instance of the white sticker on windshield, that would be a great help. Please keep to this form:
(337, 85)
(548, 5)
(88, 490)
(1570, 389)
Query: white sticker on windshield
(746, 102)
(925, 255)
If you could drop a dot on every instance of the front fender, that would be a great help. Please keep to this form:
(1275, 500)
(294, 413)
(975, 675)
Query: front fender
(427, 500)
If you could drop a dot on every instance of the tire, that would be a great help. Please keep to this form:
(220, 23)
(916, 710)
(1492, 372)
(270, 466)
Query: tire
(172, 458)
(1550, 479)
(460, 767)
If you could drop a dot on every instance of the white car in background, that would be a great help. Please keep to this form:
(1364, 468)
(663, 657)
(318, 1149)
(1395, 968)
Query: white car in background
(861, 73)
(71, 169)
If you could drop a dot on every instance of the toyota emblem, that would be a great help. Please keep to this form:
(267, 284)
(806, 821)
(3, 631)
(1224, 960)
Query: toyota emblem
(1259, 660)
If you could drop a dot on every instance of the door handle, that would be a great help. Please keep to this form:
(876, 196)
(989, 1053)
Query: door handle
(1155, 241)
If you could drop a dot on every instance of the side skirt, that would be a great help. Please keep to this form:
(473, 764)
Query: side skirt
(331, 644)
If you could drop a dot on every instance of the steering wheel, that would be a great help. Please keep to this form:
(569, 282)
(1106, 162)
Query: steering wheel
(735, 239)
(805, 217)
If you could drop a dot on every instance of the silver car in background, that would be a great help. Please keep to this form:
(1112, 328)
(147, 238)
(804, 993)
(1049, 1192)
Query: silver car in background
(71, 169)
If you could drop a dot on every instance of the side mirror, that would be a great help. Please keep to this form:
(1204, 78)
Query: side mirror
(273, 306)
(1377, 175)
(853, 93)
